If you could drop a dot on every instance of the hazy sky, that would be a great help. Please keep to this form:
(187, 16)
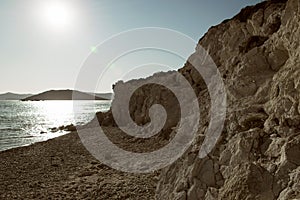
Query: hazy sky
(43, 43)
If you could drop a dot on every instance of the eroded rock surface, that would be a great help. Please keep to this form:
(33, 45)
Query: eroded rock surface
(258, 154)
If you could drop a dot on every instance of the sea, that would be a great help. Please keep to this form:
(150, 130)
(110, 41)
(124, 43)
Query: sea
(23, 123)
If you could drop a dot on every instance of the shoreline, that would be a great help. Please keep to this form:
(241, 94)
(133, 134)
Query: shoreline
(57, 131)
(61, 168)
(27, 145)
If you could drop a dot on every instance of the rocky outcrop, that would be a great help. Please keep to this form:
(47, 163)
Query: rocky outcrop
(258, 155)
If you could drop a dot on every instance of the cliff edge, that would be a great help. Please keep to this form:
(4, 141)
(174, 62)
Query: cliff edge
(258, 154)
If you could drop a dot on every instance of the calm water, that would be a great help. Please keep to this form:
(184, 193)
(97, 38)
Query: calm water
(21, 123)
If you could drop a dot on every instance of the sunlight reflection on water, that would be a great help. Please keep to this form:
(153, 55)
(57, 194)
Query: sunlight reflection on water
(21, 123)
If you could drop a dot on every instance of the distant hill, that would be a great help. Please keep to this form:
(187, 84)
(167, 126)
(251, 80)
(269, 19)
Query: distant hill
(103, 95)
(13, 96)
(64, 95)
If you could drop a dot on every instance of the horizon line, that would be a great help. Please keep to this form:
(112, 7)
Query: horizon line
(55, 89)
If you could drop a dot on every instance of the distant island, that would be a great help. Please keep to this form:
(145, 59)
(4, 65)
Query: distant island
(108, 96)
(67, 95)
(13, 96)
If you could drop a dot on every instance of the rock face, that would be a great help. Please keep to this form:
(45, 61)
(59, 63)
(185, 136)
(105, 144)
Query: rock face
(258, 155)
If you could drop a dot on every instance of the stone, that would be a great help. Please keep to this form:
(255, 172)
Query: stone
(180, 196)
(211, 194)
(292, 151)
(195, 193)
(70, 127)
(182, 186)
(274, 149)
(205, 172)
(257, 155)
(277, 58)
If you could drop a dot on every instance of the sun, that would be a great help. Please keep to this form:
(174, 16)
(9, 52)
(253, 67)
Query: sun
(57, 14)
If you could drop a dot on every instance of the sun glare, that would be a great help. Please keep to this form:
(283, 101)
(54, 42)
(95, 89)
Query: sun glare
(57, 15)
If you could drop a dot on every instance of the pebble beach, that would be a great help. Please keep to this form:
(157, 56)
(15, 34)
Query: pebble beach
(61, 168)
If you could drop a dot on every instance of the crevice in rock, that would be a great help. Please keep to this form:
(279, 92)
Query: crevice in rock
(252, 42)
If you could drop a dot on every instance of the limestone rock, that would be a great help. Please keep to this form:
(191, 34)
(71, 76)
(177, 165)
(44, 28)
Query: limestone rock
(258, 154)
